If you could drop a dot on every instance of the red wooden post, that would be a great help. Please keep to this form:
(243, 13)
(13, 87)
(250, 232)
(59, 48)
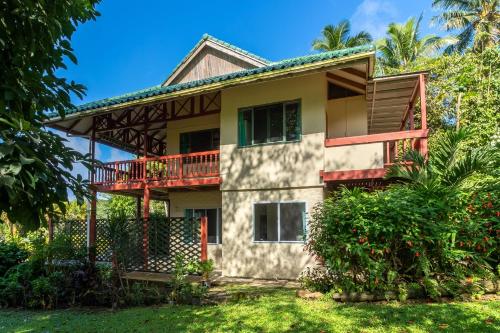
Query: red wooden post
(423, 107)
(92, 227)
(204, 238)
(145, 227)
(423, 101)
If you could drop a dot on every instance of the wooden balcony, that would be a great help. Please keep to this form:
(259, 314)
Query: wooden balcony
(182, 170)
(368, 156)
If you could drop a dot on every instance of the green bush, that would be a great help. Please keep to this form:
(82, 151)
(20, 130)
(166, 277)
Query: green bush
(11, 254)
(374, 241)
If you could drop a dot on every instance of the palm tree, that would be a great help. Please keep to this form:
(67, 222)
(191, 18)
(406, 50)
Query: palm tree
(336, 37)
(477, 20)
(403, 44)
(451, 163)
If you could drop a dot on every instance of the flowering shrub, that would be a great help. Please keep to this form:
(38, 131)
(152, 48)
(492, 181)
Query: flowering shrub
(375, 241)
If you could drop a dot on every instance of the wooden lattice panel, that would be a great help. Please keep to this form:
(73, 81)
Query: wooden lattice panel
(167, 238)
(76, 231)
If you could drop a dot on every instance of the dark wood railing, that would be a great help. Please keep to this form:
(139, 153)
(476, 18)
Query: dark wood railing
(395, 144)
(163, 168)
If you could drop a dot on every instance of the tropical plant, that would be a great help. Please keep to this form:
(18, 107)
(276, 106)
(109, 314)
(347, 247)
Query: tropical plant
(403, 44)
(451, 164)
(336, 37)
(436, 227)
(477, 20)
(35, 164)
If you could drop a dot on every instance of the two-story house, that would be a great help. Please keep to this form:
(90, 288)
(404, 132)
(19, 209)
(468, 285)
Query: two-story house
(253, 145)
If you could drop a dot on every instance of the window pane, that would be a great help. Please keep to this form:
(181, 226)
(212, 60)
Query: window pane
(245, 127)
(292, 124)
(260, 125)
(276, 122)
(212, 225)
(292, 221)
(266, 222)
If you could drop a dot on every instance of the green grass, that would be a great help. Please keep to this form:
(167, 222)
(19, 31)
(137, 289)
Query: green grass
(279, 311)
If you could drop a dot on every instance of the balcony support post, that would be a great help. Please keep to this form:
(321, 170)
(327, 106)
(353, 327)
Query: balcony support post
(423, 107)
(145, 227)
(92, 227)
(204, 238)
(92, 151)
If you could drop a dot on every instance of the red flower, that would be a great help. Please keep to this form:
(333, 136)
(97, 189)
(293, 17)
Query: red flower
(417, 254)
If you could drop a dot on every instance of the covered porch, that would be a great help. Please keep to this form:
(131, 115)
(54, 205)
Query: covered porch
(160, 168)
(385, 118)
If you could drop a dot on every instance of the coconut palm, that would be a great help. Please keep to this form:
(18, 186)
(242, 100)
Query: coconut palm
(403, 44)
(336, 37)
(450, 164)
(477, 20)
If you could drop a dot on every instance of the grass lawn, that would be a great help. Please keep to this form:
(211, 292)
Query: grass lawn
(277, 311)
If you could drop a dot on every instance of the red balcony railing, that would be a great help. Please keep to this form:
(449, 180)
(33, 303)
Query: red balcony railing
(163, 168)
(396, 144)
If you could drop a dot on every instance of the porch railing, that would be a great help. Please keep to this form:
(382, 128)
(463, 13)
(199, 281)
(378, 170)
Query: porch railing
(395, 144)
(169, 167)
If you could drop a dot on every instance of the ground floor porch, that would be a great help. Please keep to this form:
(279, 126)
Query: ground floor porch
(248, 234)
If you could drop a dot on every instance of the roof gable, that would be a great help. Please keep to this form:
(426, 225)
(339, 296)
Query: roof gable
(212, 57)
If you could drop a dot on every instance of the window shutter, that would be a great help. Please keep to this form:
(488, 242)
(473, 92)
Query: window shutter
(184, 143)
(242, 135)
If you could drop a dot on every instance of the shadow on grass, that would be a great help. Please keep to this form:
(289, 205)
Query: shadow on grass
(276, 311)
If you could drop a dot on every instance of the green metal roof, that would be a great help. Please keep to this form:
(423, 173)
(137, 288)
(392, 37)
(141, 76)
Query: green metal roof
(160, 90)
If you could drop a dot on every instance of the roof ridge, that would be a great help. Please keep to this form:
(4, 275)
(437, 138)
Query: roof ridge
(206, 37)
(158, 89)
(236, 48)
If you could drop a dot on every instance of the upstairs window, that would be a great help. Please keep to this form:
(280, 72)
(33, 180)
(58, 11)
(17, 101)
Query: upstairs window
(199, 141)
(278, 122)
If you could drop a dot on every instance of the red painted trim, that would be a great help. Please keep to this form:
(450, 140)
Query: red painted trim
(204, 238)
(372, 138)
(353, 174)
(423, 101)
(159, 184)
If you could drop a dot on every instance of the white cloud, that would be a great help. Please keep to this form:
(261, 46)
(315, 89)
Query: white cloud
(373, 16)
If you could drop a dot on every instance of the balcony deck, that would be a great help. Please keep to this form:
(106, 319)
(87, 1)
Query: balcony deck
(169, 171)
(374, 154)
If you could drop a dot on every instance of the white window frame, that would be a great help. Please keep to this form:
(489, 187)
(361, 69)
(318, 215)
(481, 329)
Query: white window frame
(218, 224)
(305, 226)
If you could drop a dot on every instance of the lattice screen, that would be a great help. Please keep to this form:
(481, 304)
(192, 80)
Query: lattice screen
(76, 230)
(168, 238)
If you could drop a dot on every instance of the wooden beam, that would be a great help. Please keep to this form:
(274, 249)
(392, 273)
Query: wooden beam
(353, 174)
(355, 72)
(346, 81)
(361, 139)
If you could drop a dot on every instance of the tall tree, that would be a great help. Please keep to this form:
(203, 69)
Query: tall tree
(336, 37)
(477, 20)
(35, 164)
(403, 44)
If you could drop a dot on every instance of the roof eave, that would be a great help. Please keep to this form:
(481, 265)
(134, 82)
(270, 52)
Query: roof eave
(276, 74)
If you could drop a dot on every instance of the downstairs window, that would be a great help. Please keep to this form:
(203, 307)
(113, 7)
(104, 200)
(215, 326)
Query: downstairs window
(279, 222)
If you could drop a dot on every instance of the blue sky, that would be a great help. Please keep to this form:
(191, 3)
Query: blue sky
(135, 44)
